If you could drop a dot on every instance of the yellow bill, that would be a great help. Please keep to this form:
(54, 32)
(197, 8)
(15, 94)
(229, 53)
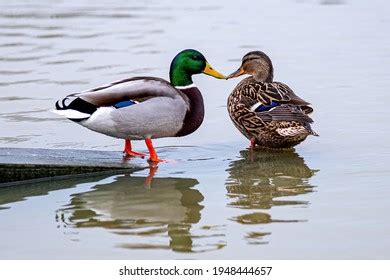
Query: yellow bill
(210, 71)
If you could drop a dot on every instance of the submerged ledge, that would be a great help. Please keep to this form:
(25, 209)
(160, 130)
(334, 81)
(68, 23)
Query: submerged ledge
(18, 165)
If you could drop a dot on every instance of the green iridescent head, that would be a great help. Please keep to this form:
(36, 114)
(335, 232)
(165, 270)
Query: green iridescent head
(187, 63)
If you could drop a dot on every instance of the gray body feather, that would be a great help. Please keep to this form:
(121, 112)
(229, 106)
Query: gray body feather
(159, 111)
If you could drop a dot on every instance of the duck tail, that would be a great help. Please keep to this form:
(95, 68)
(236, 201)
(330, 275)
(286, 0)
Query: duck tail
(307, 109)
(77, 110)
(311, 131)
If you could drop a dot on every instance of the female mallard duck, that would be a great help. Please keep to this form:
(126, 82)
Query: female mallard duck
(144, 108)
(268, 113)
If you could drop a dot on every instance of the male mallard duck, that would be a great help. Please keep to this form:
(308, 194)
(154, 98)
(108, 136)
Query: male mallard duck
(144, 108)
(268, 113)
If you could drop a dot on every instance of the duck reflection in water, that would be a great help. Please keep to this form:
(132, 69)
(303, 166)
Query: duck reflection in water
(262, 179)
(154, 213)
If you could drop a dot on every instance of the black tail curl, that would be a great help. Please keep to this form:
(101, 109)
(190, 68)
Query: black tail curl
(77, 104)
(64, 107)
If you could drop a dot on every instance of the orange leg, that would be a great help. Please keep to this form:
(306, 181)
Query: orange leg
(149, 178)
(128, 152)
(253, 143)
(153, 155)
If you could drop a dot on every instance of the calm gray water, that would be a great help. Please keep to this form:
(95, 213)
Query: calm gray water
(329, 199)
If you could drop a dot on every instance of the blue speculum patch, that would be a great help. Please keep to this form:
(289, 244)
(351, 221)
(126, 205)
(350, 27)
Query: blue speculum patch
(123, 104)
(263, 108)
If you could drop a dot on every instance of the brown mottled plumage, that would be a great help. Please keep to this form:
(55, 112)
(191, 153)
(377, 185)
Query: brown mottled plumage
(285, 123)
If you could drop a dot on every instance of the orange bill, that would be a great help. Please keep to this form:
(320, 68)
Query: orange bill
(236, 73)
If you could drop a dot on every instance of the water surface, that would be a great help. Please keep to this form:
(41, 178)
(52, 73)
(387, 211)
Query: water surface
(327, 199)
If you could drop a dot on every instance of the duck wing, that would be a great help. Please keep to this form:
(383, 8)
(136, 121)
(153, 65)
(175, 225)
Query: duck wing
(78, 106)
(285, 113)
(253, 92)
(137, 88)
(281, 93)
(292, 119)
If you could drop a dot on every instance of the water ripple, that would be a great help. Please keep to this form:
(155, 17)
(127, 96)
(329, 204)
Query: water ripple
(23, 82)
(17, 139)
(26, 116)
(64, 15)
(12, 72)
(85, 50)
(64, 61)
(15, 44)
(30, 26)
(99, 67)
(22, 59)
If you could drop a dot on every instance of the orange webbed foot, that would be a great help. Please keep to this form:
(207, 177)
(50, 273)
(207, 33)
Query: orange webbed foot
(129, 152)
(158, 160)
(134, 154)
(154, 159)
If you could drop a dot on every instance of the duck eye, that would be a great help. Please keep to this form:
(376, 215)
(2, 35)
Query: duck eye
(196, 57)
